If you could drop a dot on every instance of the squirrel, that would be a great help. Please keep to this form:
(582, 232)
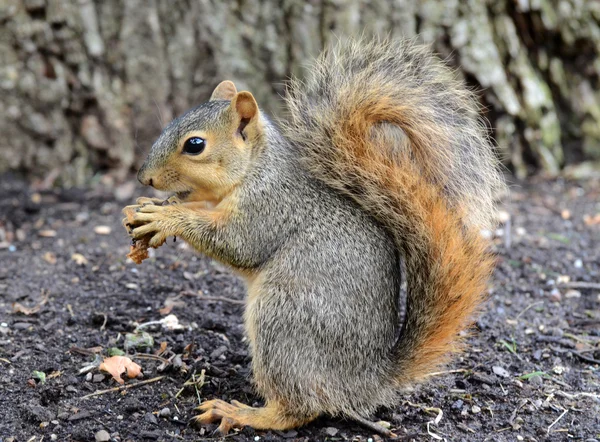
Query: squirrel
(382, 173)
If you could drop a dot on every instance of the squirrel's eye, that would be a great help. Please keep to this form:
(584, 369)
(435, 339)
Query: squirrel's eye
(194, 145)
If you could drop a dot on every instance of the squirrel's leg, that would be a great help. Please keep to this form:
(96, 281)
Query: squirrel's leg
(235, 414)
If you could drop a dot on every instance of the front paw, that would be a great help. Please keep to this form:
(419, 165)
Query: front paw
(152, 221)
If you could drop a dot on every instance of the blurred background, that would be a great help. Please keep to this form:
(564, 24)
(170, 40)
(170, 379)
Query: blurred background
(86, 85)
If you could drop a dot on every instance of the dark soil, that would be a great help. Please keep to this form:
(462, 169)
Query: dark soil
(532, 323)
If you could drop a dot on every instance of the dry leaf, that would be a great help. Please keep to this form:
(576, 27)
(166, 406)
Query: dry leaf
(162, 349)
(170, 303)
(117, 365)
(590, 220)
(20, 308)
(79, 259)
(50, 258)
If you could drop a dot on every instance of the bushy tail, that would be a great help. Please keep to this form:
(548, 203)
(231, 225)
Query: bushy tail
(387, 124)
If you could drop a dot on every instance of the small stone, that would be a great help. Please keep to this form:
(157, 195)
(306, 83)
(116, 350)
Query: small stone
(132, 286)
(98, 377)
(102, 436)
(565, 214)
(536, 380)
(499, 371)
(475, 409)
(151, 418)
(47, 233)
(218, 352)
(555, 295)
(458, 405)
(519, 437)
(88, 377)
(331, 431)
(578, 263)
(82, 217)
(53, 436)
(165, 412)
(102, 230)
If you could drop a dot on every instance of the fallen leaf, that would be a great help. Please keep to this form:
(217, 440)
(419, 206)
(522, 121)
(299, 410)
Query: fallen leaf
(138, 340)
(117, 365)
(79, 259)
(162, 349)
(20, 308)
(590, 220)
(40, 375)
(114, 351)
(170, 303)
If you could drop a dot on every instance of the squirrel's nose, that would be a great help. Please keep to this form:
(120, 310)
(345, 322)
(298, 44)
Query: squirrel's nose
(144, 178)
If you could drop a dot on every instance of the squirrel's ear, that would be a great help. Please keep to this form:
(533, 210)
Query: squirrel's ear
(246, 108)
(224, 91)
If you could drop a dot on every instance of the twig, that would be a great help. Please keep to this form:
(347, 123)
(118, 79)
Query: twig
(553, 423)
(371, 425)
(585, 358)
(122, 387)
(439, 373)
(581, 285)
(576, 395)
(153, 357)
(213, 298)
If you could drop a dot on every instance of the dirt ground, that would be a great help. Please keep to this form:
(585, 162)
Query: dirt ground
(67, 295)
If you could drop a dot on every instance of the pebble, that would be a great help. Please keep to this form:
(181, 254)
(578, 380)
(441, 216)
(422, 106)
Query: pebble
(331, 431)
(82, 217)
(458, 405)
(151, 418)
(578, 263)
(475, 409)
(102, 230)
(53, 436)
(536, 380)
(102, 436)
(573, 294)
(499, 371)
(165, 412)
(21, 325)
(218, 352)
(98, 377)
(555, 295)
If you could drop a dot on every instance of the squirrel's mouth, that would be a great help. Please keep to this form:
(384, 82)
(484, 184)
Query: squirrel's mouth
(183, 195)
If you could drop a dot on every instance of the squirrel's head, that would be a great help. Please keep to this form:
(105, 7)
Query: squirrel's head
(205, 153)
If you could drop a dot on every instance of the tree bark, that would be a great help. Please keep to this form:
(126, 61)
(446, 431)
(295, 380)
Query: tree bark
(87, 85)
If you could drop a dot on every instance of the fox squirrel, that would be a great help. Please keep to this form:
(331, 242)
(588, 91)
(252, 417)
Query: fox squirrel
(381, 172)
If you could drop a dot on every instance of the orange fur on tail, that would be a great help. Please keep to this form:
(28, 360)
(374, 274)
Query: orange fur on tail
(394, 131)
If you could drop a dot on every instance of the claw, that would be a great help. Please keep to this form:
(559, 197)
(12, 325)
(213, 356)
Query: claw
(234, 415)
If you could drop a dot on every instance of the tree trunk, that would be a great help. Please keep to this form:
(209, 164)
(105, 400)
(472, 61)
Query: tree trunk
(87, 85)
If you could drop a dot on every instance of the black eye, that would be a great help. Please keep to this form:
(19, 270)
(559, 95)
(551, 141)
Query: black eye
(194, 145)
